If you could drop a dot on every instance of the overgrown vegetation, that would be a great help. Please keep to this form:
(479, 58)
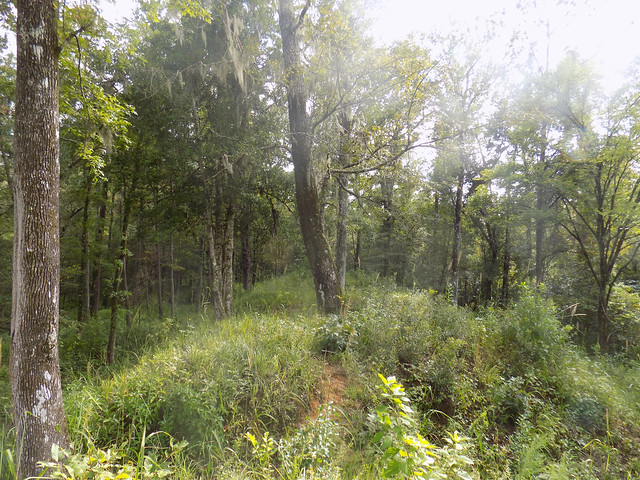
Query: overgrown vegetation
(284, 394)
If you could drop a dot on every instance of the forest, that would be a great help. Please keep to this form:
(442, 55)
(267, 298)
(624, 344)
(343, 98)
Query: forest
(268, 246)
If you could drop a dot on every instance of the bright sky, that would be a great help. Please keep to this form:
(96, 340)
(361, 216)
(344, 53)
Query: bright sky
(605, 31)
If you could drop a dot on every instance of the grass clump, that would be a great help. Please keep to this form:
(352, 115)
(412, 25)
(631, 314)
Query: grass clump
(208, 388)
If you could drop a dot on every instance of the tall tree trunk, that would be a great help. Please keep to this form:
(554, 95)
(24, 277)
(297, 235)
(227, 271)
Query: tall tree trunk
(491, 268)
(357, 250)
(540, 221)
(158, 262)
(118, 275)
(214, 270)
(199, 291)
(227, 259)
(341, 231)
(386, 190)
(246, 261)
(603, 317)
(137, 273)
(328, 291)
(125, 286)
(506, 268)
(96, 289)
(540, 234)
(457, 239)
(172, 285)
(159, 273)
(346, 120)
(34, 363)
(7, 171)
(85, 263)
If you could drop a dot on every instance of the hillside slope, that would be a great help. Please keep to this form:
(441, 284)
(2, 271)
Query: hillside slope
(278, 392)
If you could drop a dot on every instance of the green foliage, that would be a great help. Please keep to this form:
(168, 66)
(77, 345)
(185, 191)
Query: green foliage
(97, 464)
(624, 309)
(309, 452)
(529, 334)
(527, 403)
(313, 447)
(290, 292)
(335, 334)
(405, 453)
(206, 388)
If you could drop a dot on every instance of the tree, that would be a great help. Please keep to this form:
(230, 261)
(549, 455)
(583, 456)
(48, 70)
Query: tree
(328, 292)
(600, 190)
(465, 87)
(35, 372)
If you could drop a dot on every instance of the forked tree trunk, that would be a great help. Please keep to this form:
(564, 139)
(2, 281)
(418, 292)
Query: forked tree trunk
(328, 292)
(34, 363)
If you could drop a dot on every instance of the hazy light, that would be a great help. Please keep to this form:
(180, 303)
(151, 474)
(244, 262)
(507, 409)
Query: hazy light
(604, 31)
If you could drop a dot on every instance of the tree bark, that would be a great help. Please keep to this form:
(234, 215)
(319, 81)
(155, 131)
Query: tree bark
(199, 292)
(118, 276)
(34, 363)
(506, 268)
(358, 249)
(246, 260)
(172, 280)
(457, 240)
(386, 189)
(214, 270)
(328, 292)
(85, 264)
(540, 222)
(96, 289)
(227, 259)
(346, 120)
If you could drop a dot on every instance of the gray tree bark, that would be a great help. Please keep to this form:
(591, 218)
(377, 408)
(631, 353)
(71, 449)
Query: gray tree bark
(34, 364)
(328, 292)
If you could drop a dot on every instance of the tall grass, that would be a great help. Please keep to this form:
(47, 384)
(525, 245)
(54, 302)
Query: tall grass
(531, 404)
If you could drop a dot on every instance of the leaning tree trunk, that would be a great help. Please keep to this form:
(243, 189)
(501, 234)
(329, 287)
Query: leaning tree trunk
(34, 363)
(328, 292)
